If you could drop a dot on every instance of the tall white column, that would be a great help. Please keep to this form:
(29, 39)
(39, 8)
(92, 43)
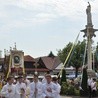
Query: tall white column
(89, 50)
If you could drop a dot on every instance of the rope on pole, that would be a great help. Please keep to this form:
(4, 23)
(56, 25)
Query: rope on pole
(69, 54)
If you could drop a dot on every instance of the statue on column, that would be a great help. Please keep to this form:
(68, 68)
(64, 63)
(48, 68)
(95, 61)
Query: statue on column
(88, 12)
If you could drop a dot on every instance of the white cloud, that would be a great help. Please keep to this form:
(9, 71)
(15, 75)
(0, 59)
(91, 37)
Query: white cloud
(60, 8)
(47, 10)
(33, 12)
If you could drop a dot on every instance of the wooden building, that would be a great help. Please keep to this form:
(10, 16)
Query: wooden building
(28, 64)
(41, 65)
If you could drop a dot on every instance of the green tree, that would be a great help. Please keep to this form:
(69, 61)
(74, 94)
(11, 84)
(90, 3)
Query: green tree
(84, 90)
(63, 76)
(64, 52)
(76, 57)
(63, 82)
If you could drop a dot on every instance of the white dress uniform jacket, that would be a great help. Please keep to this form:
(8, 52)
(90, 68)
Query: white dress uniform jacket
(51, 86)
(58, 90)
(5, 93)
(37, 86)
(18, 88)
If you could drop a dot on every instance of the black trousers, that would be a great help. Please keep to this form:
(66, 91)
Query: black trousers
(90, 92)
(94, 93)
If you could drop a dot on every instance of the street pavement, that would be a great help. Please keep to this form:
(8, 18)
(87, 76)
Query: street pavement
(74, 97)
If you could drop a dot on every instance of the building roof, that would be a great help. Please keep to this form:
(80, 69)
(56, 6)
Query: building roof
(29, 58)
(50, 62)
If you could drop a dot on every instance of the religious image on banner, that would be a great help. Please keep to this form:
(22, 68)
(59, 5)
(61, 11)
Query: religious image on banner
(16, 59)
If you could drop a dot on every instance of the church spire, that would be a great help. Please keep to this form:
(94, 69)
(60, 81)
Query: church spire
(51, 54)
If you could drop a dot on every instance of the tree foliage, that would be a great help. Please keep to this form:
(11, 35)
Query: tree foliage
(63, 78)
(64, 52)
(84, 90)
(76, 57)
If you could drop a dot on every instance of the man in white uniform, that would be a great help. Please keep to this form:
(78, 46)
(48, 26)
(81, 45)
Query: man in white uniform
(55, 80)
(49, 88)
(35, 88)
(20, 88)
(44, 79)
(8, 90)
(94, 87)
(26, 80)
(90, 80)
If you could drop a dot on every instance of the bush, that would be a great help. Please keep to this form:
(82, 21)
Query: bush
(68, 89)
(84, 91)
(77, 92)
(64, 87)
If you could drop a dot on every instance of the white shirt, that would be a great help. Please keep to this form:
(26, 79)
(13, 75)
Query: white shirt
(44, 80)
(51, 86)
(58, 90)
(5, 93)
(93, 86)
(37, 86)
(18, 90)
(28, 82)
(89, 81)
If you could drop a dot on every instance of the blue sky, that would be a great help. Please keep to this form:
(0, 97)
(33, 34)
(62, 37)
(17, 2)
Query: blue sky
(41, 26)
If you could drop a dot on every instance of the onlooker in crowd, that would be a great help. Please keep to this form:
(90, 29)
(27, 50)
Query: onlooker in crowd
(27, 91)
(20, 88)
(94, 87)
(35, 88)
(89, 86)
(72, 82)
(55, 80)
(44, 79)
(8, 90)
(49, 88)
(26, 80)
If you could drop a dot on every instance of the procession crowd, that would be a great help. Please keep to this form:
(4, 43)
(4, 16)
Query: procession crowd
(92, 85)
(23, 88)
(48, 87)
